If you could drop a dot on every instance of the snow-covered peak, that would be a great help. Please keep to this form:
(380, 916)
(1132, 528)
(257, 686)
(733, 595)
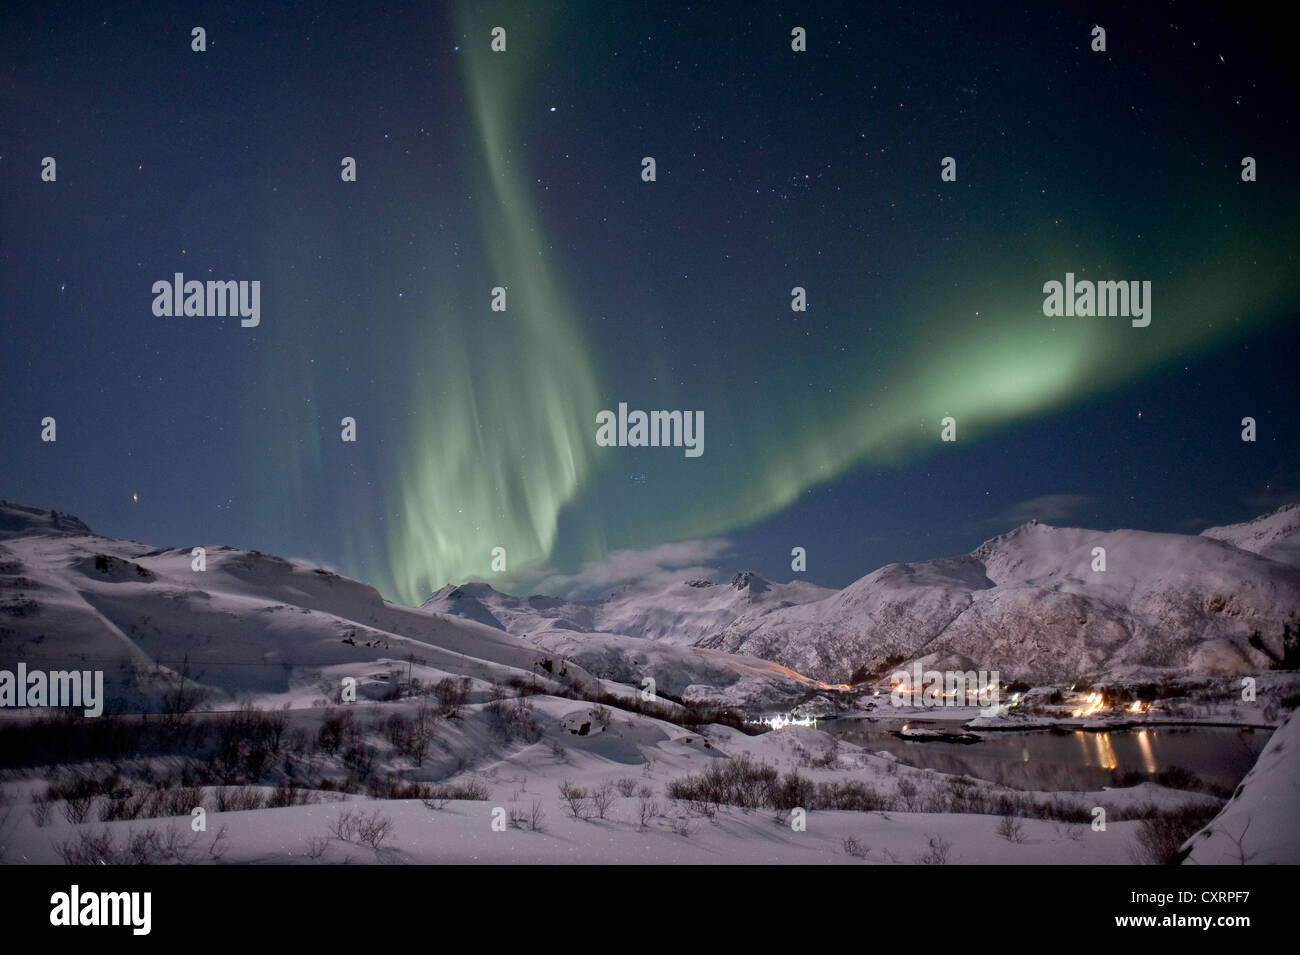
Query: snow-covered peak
(681, 612)
(18, 520)
(1275, 536)
(748, 580)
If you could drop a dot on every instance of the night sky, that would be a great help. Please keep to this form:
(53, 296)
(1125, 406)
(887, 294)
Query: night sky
(523, 169)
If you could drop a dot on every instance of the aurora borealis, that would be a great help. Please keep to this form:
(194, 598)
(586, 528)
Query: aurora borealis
(521, 170)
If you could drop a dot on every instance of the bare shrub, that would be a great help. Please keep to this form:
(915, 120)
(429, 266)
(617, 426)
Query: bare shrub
(937, 853)
(626, 787)
(1011, 829)
(907, 794)
(346, 825)
(217, 848)
(647, 807)
(1159, 839)
(575, 800)
(372, 830)
(85, 848)
(436, 797)
(602, 798)
(533, 818)
(855, 848)
(76, 808)
(41, 806)
(239, 799)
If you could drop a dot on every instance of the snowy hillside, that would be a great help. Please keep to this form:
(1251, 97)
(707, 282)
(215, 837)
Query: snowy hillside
(1027, 603)
(250, 623)
(255, 624)
(1259, 824)
(681, 613)
(1030, 605)
(1275, 536)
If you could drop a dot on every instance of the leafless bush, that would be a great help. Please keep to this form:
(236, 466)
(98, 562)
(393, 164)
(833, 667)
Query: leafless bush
(1159, 839)
(170, 846)
(41, 805)
(1011, 829)
(181, 801)
(626, 787)
(451, 694)
(575, 800)
(603, 797)
(855, 848)
(937, 853)
(217, 848)
(316, 847)
(239, 799)
(907, 794)
(346, 825)
(85, 848)
(512, 720)
(372, 830)
(533, 818)
(144, 848)
(436, 797)
(647, 807)
(6, 816)
(76, 808)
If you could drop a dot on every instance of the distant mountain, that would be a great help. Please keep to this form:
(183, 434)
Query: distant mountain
(253, 625)
(18, 520)
(682, 613)
(1029, 605)
(1275, 536)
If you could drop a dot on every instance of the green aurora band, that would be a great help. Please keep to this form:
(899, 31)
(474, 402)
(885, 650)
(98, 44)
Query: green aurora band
(502, 449)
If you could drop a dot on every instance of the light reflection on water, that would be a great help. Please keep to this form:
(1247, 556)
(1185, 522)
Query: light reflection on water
(1073, 760)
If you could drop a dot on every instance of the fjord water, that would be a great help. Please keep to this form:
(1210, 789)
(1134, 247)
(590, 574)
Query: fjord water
(1073, 759)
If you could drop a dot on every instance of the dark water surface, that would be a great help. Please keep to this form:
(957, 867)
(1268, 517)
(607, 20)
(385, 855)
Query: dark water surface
(1071, 760)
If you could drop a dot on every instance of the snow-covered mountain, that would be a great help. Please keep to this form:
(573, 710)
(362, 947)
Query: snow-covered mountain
(252, 624)
(650, 631)
(1275, 536)
(1030, 605)
(682, 613)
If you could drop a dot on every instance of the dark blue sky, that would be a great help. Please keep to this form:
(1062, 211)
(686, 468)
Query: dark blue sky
(521, 169)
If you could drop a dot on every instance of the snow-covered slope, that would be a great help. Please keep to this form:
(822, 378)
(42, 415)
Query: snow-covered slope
(1275, 536)
(256, 625)
(1030, 605)
(681, 613)
(250, 624)
(1259, 825)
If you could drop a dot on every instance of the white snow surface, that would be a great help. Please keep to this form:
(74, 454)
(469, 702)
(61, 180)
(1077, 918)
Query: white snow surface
(1259, 825)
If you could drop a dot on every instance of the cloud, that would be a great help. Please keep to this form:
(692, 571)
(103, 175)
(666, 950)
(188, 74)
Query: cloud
(654, 566)
(1048, 508)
